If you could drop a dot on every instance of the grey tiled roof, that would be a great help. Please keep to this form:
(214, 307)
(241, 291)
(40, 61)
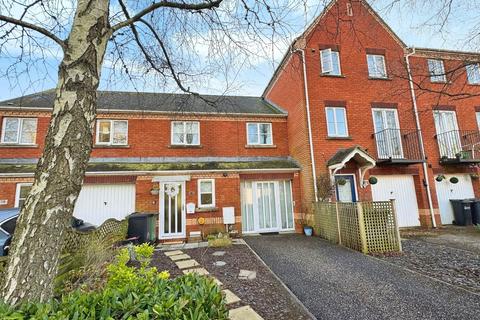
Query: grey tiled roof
(157, 102)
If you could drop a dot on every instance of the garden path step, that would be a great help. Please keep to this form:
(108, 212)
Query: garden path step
(180, 257)
(230, 297)
(243, 313)
(200, 271)
(173, 253)
(185, 264)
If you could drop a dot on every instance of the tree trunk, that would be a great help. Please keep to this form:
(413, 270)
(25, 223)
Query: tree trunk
(47, 211)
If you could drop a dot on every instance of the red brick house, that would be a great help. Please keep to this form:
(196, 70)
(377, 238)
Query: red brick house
(169, 154)
(349, 101)
(353, 113)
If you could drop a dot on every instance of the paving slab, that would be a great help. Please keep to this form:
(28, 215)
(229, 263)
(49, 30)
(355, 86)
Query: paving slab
(218, 253)
(199, 271)
(218, 282)
(337, 283)
(180, 257)
(185, 264)
(219, 263)
(230, 297)
(173, 253)
(247, 275)
(243, 313)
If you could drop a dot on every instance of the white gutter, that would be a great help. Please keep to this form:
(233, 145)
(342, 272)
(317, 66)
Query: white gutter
(309, 123)
(420, 138)
(159, 172)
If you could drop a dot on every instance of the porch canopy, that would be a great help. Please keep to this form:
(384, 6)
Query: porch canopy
(364, 161)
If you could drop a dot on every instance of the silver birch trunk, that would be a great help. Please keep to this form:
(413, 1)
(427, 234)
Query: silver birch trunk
(37, 242)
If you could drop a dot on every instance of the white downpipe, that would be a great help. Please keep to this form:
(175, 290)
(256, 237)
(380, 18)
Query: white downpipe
(419, 128)
(309, 123)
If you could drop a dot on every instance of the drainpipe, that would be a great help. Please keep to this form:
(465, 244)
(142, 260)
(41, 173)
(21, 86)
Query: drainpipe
(309, 123)
(420, 138)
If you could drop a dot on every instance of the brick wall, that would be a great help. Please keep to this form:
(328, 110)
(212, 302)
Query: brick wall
(149, 136)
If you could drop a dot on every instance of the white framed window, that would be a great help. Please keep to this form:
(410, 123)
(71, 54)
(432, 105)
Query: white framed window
(436, 70)
(206, 193)
(112, 132)
(336, 121)
(23, 189)
(19, 130)
(478, 120)
(259, 133)
(185, 133)
(376, 66)
(473, 73)
(330, 61)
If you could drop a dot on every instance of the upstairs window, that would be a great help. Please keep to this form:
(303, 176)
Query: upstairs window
(19, 130)
(112, 132)
(436, 70)
(473, 73)
(185, 133)
(206, 193)
(336, 122)
(259, 134)
(330, 61)
(376, 66)
(478, 120)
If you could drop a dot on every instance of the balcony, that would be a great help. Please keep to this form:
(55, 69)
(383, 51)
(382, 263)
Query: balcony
(459, 146)
(396, 146)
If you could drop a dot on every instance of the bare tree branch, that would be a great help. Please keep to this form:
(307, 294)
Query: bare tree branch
(31, 26)
(208, 4)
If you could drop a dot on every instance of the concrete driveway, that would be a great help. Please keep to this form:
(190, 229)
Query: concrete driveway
(337, 283)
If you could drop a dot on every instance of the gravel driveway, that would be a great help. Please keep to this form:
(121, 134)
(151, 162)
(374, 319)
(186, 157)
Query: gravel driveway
(337, 283)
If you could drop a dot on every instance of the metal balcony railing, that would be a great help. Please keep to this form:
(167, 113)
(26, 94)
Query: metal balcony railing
(459, 146)
(397, 145)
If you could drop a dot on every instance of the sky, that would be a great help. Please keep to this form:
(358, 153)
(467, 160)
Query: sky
(412, 25)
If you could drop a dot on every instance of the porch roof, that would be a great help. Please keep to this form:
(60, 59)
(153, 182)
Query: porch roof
(344, 155)
(138, 168)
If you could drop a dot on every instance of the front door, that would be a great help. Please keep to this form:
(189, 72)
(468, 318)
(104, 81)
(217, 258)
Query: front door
(345, 186)
(172, 210)
(387, 133)
(447, 133)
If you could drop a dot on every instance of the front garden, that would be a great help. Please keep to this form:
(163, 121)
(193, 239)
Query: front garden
(128, 287)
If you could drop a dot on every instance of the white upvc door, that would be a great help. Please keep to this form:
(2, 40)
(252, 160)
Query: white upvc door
(387, 133)
(172, 210)
(267, 206)
(447, 133)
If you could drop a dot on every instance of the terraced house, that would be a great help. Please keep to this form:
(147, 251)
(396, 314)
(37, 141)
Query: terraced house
(362, 104)
(349, 100)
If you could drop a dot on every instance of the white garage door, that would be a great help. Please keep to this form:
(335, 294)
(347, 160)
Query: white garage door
(402, 189)
(99, 202)
(447, 190)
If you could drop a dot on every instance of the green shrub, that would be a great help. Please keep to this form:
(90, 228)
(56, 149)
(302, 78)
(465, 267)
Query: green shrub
(133, 293)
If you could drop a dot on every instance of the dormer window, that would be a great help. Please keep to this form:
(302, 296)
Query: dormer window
(21, 131)
(330, 61)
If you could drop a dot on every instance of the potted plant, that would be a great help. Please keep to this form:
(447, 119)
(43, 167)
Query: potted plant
(454, 180)
(155, 190)
(342, 181)
(440, 178)
(372, 180)
(307, 226)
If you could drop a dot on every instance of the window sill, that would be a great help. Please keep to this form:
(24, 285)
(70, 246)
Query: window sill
(474, 84)
(111, 146)
(16, 145)
(384, 79)
(181, 146)
(339, 138)
(260, 146)
(206, 209)
(332, 75)
(440, 82)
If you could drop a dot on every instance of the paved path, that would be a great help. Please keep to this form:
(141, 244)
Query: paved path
(337, 283)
